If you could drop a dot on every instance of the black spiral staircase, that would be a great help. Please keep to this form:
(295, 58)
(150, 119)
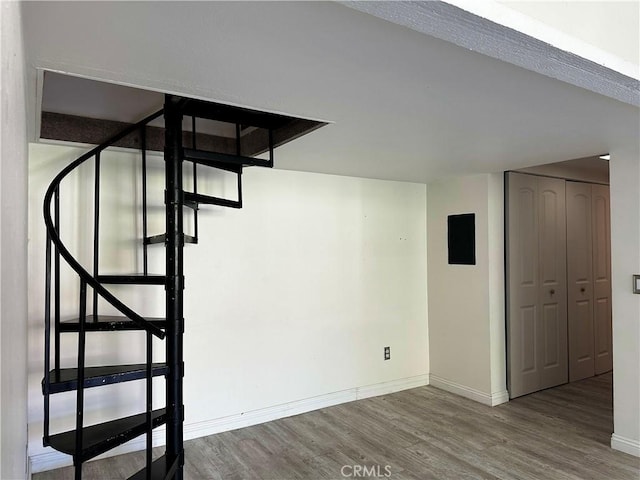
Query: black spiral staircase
(87, 441)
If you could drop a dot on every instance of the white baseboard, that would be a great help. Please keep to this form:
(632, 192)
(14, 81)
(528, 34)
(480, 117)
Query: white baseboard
(210, 427)
(391, 387)
(29, 474)
(50, 460)
(255, 417)
(626, 445)
(491, 400)
(41, 462)
(498, 398)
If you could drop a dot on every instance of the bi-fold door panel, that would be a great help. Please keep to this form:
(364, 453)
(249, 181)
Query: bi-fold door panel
(537, 283)
(580, 280)
(601, 226)
(553, 281)
(589, 278)
(523, 305)
(523, 301)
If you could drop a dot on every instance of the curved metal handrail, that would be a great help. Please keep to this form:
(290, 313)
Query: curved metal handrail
(73, 263)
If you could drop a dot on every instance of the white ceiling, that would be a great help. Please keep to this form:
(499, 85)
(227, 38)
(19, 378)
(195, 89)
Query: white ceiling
(405, 106)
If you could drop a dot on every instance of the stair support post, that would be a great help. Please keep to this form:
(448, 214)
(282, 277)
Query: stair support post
(79, 440)
(175, 282)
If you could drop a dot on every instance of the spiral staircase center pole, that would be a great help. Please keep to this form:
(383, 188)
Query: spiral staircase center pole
(175, 281)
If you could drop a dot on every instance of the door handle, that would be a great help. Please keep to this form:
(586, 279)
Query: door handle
(552, 291)
(582, 289)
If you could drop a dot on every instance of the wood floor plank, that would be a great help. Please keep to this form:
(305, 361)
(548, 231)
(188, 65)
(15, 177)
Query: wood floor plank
(419, 434)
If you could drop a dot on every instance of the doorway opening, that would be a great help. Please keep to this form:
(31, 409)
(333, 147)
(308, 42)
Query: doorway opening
(558, 270)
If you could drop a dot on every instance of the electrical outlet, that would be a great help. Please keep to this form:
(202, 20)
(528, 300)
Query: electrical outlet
(387, 353)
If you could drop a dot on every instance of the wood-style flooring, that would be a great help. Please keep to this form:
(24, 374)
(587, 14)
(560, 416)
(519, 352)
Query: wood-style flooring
(423, 433)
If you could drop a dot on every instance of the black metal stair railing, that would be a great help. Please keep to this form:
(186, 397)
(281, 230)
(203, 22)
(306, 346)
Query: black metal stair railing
(84, 443)
(53, 235)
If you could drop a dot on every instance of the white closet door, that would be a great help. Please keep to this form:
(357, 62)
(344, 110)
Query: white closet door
(552, 243)
(580, 280)
(601, 228)
(522, 244)
(536, 243)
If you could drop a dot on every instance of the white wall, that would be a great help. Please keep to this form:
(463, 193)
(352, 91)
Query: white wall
(288, 303)
(13, 250)
(466, 302)
(496, 285)
(625, 262)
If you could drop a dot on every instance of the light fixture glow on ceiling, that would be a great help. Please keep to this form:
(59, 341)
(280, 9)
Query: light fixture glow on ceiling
(606, 156)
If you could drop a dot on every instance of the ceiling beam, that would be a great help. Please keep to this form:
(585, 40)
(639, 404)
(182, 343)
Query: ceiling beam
(462, 28)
